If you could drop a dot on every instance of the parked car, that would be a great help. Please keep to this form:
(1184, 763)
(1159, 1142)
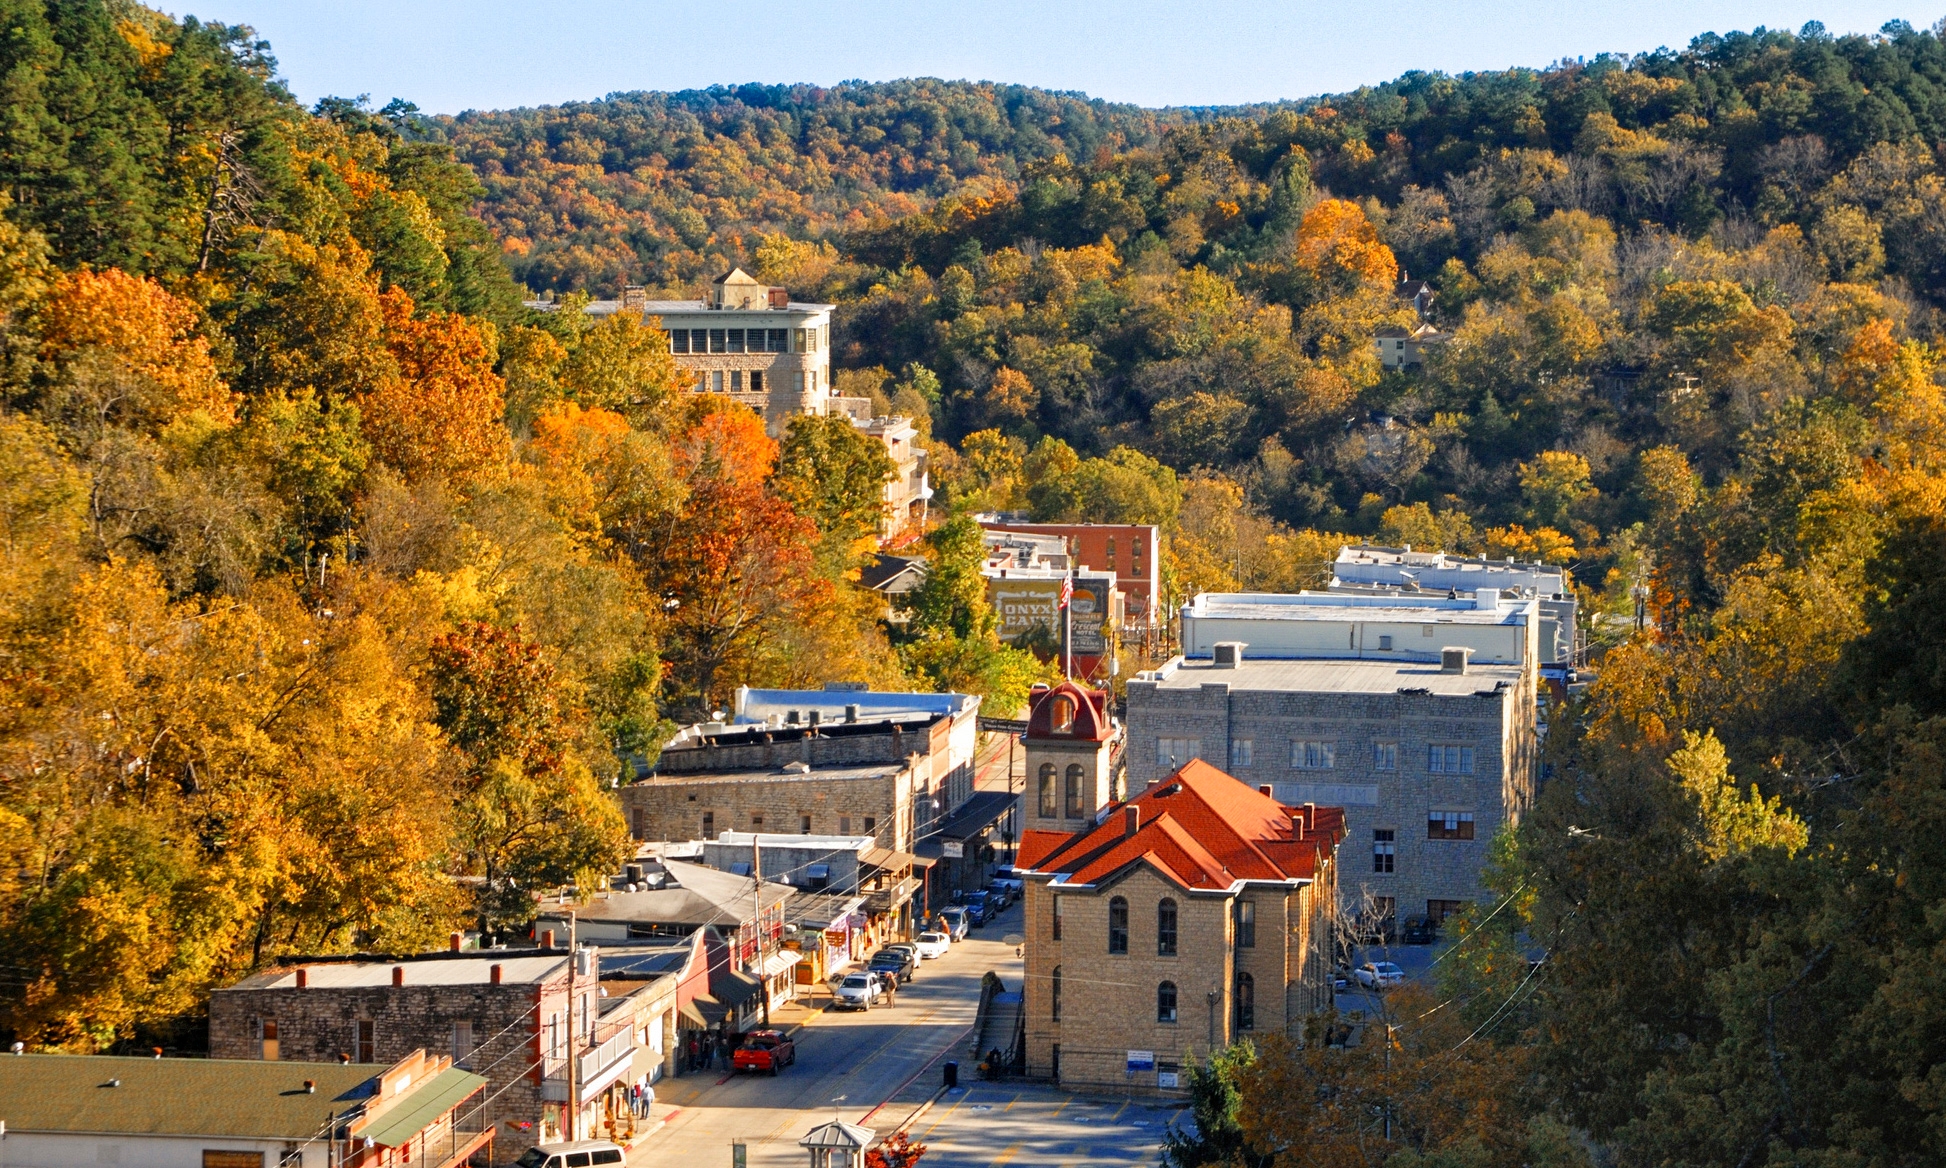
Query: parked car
(1420, 930)
(859, 991)
(1379, 975)
(956, 923)
(1001, 891)
(977, 913)
(578, 1152)
(1015, 885)
(900, 961)
(934, 945)
(764, 1050)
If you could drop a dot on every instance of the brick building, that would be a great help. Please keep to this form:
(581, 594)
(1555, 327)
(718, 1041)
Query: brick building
(813, 762)
(1073, 751)
(505, 1013)
(1414, 713)
(1198, 912)
(1130, 552)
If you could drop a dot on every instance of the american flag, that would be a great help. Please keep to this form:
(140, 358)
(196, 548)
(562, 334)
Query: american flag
(1067, 590)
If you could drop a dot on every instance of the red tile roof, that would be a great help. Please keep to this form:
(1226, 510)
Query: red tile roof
(1201, 828)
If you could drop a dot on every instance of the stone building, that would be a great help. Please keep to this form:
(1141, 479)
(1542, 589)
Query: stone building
(504, 1013)
(907, 491)
(1415, 714)
(1379, 570)
(1072, 748)
(744, 340)
(1198, 912)
(813, 762)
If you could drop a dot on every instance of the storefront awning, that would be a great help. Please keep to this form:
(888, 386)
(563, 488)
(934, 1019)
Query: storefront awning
(704, 1012)
(981, 811)
(780, 961)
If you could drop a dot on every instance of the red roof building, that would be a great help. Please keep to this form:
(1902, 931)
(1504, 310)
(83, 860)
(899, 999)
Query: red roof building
(1200, 891)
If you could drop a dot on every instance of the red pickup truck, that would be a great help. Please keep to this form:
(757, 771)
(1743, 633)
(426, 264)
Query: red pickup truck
(764, 1050)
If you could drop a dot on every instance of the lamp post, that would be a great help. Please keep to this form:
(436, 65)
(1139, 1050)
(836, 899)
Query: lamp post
(1213, 995)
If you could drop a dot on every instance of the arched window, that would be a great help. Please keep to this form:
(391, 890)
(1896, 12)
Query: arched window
(1076, 809)
(1165, 928)
(1246, 1002)
(1048, 809)
(1118, 925)
(1165, 1002)
(1060, 717)
(1054, 992)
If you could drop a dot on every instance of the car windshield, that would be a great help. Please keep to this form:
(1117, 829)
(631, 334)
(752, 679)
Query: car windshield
(856, 982)
(932, 937)
(1388, 967)
(531, 1158)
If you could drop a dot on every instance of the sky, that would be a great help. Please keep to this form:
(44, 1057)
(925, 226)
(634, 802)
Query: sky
(448, 56)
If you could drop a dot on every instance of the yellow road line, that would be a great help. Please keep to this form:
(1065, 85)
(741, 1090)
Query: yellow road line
(964, 1096)
(1010, 1103)
(1005, 1156)
(1118, 1111)
(1063, 1107)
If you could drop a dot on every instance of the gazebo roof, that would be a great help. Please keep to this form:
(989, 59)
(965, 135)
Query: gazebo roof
(838, 1134)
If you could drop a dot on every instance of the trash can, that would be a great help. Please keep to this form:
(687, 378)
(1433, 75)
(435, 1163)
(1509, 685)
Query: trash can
(952, 1075)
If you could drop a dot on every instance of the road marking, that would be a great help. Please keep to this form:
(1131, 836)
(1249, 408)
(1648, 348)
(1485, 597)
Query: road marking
(1010, 1103)
(1008, 1154)
(964, 1096)
(1118, 1111)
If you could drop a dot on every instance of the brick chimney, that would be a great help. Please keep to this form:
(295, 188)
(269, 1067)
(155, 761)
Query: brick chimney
(398, 975)
(303, 977)
(547, 938)
(456, 940)
(494, 974)
(1131, 820)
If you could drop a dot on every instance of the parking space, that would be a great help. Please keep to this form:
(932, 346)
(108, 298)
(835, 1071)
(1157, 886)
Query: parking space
(992, 1125)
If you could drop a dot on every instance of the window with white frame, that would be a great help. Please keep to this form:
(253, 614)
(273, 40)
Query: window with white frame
(1385, 849)
(1240, 750)
(1171, 753)
(1313, 755)
(1449, 825)
(1449, 759)
(1385, 756)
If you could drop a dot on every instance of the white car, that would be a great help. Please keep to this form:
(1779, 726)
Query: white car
(859, 991)
(933, 945)
(1379, 975)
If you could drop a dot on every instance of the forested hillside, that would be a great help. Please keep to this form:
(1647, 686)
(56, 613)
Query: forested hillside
(336, 589)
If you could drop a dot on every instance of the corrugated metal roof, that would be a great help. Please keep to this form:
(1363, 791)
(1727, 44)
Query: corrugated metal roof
(426, 1103)
(230, 1098)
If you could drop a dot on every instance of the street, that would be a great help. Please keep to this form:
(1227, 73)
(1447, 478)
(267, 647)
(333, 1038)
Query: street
(848, 1065)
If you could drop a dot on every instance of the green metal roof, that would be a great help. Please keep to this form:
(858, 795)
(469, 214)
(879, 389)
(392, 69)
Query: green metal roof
(424, 1105)
(236, 1098)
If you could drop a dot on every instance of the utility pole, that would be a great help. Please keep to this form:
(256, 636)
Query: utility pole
(574, 1102)
(757, 917)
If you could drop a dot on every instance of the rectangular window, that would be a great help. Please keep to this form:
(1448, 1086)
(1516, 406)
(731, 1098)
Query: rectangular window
(1057, 917)
(267, 1039)
(736, 381)
(1246, 925)
(679, 341)
(779, 340)
(814, 381)
(1385, 756)
(804, 825)
(797, 341)
(756, 381)
(366, 1041)
(844, 825)
(213, 1158)
(1240, 749)
(1449, 825)
(719, 341)
(871, 824)
(1384, 849)
(1171, 753)
(1425, 630)
(462, 1043)
(1314, 755)
(1385, 643)
(709, 825)
(1449, 760)
(797, 382)
(756, 820)
(736, 341)
(716, 381)
(1439, 910)
(702, 381)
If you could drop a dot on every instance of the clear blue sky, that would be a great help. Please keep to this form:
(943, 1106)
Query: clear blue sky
(484, 54)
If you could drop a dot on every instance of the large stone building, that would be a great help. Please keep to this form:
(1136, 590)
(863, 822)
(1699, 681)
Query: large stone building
(745, 340)
(813, 762)
(504, 1013)
(1415, 713)
(1196, 913)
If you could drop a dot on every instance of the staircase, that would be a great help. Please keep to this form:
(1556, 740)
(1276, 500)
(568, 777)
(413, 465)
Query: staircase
(1001, 1024)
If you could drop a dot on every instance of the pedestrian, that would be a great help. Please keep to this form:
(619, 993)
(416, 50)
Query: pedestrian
(648, 1098)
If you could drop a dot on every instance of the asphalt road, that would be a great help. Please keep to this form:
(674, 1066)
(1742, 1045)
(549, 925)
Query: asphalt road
(847, 1066)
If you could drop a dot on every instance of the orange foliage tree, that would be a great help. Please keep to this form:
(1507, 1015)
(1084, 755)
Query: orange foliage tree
(146, 333)
(442, 419)
(1337, 244)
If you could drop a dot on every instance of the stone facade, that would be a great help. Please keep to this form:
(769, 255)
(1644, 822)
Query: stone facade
(889, 780)
(1070, 763)
(1248, 956)
(498, 1030)
(1379, 766)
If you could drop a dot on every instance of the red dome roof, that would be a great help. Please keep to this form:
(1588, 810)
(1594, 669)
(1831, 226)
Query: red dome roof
(1068, 712)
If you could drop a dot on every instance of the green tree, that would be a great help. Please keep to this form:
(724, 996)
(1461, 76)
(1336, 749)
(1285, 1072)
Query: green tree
(834, 474)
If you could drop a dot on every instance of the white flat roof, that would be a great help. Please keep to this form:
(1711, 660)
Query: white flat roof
(778, 839)
(1341, 606)
(1332, 676)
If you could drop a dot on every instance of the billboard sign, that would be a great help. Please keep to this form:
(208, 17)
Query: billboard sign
(1024, 604)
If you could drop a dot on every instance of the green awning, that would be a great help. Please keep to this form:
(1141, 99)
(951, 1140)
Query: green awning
(421, 1108)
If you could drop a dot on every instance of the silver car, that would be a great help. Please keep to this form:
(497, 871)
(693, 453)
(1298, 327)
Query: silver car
(859, 991)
